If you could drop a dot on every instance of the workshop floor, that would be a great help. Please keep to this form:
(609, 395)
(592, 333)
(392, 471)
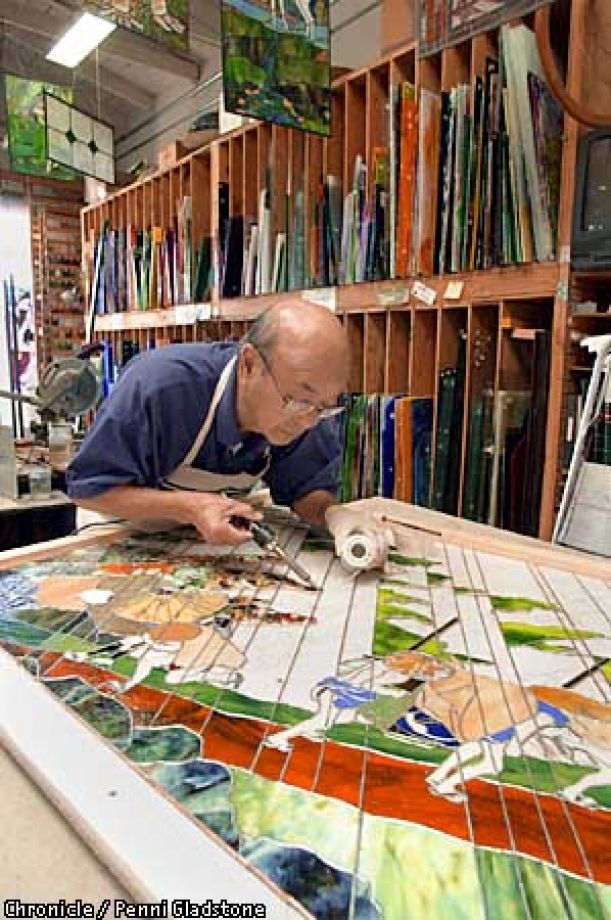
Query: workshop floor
(41, 858)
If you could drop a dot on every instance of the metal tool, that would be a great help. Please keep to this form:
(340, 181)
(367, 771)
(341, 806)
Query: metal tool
(585, 510)
(68, 387)
(266, 539)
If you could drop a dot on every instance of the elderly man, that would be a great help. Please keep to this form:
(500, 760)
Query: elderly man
(189, 427)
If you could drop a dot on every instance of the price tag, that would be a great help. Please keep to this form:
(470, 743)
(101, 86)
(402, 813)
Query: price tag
(423, 293)
(454, 290)
(203, 312)
(325, 297)
(185, 314)
(394, 297)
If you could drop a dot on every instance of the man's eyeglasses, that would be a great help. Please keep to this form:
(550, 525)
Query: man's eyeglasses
(294, 406)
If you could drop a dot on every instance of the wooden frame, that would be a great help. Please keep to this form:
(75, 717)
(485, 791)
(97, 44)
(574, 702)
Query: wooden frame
(113, 809)
(596, 23)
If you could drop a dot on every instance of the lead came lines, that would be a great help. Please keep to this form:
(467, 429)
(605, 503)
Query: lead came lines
(540, 814)
(563, 804)
(515, 868)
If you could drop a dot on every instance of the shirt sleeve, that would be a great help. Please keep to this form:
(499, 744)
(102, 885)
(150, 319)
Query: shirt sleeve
(138, 436)
(310, 464)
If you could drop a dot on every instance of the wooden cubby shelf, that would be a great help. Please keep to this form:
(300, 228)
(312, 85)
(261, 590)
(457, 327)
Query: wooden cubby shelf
(399, 344)
(481, 287)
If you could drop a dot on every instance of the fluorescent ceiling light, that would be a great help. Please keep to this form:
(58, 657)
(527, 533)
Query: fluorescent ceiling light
(80, 40)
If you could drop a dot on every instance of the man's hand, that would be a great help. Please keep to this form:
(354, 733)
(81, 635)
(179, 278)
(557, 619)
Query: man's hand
(208, 512)
(211, 515)
(359, 518)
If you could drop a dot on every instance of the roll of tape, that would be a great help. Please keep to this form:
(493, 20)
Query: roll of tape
(359, 552)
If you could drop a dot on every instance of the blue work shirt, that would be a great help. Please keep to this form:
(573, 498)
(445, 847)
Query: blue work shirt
(147, 425)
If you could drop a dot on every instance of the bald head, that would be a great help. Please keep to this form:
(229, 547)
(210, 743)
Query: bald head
(295, 355)
(303, 335)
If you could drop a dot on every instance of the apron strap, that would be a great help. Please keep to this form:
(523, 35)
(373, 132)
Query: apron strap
(218, 394)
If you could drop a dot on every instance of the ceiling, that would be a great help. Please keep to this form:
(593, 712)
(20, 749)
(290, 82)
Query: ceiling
(132, 79)
(124, 79)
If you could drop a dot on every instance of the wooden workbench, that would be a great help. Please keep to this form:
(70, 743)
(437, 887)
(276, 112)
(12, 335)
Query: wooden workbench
(27, 521)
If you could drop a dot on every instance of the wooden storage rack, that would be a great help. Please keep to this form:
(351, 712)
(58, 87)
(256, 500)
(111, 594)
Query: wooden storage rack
(56, 238)
(398, 344)
(55, 241)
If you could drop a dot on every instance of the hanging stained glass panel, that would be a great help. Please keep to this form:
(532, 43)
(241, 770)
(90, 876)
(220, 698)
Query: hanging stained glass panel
(447, 22)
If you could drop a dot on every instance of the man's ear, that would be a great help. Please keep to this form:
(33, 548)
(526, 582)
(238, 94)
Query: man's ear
(248, 360)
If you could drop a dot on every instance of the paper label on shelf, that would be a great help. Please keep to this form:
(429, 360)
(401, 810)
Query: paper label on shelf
(454, 290)
(426, 294)
(116, 322)
(394, 297)
(325, 297)
(203, 312)
(184, 314)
